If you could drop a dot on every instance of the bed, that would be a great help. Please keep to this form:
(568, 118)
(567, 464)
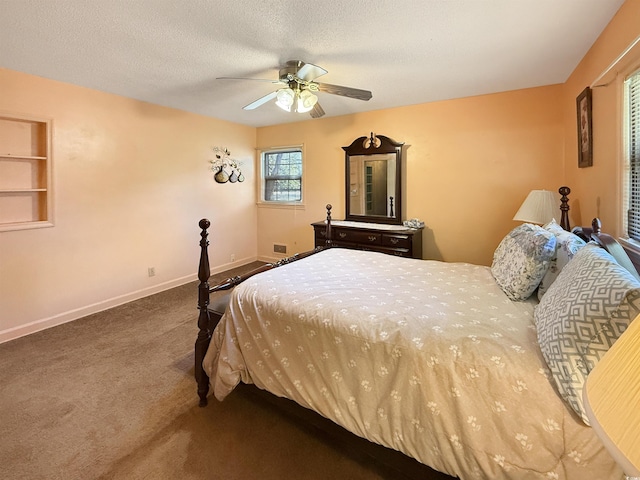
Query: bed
(440, 361)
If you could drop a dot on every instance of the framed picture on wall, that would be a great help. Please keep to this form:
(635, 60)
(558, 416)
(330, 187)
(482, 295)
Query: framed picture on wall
(585, 129)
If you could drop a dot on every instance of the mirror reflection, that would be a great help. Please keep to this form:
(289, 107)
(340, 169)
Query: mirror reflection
(372, 185)
(373, 180)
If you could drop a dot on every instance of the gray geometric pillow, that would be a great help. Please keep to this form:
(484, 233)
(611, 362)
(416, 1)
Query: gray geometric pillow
(583, 313)
(522, 259)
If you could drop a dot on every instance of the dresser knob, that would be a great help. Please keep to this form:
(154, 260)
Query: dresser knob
(372, 238)
(342, 234)
(394, 240)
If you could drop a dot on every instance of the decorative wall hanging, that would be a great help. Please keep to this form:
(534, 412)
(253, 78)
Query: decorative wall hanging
(225, 169)
(585, 130)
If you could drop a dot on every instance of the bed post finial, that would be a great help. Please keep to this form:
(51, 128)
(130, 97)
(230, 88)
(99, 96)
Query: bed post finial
(596, 225)
(564, 207)
(327, 242)
(204, 321)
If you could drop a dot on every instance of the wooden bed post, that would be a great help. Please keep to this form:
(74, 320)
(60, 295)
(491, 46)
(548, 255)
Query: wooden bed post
(327, 235)
(204, 320)
(211, 313)
(564, 208)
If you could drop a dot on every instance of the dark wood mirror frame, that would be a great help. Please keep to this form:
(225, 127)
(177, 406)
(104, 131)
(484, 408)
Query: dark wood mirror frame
(375, 145)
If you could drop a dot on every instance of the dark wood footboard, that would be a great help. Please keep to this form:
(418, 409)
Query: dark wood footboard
(211, 311)
(204, 319)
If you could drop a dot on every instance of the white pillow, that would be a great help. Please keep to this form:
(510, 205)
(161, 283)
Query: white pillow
(567, 245)
(522, 259)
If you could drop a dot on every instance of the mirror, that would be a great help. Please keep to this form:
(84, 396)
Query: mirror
(373, 180)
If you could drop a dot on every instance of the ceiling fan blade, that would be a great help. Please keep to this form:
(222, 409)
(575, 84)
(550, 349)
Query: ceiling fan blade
(260, 101)
(247, 78)
(317, 111)
(344, 91)
(309, 72)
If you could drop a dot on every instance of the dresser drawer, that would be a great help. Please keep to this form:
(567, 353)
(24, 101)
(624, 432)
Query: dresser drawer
(396, 241)
(403, 243)
(365, 238)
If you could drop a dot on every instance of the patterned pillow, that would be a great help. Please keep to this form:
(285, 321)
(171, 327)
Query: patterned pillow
(583, 313)
(567, 245)
(522, 259)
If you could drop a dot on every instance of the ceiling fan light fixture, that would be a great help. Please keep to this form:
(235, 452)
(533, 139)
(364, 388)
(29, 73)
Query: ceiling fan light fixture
(285, 98)
(306, 101)
(298, 88)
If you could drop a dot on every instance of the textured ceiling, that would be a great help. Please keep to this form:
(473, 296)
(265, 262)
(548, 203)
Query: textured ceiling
(169, 52)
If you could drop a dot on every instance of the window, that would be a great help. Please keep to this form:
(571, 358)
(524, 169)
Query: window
(282, 175)
(632, 125)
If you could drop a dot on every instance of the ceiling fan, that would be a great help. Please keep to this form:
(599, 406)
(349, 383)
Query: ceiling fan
(297, 93)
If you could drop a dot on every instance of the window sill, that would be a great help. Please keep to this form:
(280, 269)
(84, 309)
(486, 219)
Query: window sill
(630, 244)
(282, 205)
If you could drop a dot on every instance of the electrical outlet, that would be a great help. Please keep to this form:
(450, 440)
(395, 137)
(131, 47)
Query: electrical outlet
(151, 271)
(279, 248)
(233, 257)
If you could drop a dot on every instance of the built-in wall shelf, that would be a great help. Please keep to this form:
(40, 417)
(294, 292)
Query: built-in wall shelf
(26, 196)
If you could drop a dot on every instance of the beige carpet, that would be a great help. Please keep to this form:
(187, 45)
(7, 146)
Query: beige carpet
(112, 396)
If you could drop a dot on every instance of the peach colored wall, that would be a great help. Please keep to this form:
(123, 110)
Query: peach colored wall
(469, 165)
(131, 183)
(596, 190)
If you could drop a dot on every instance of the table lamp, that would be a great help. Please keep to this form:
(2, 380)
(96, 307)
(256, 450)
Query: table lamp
(539, 207)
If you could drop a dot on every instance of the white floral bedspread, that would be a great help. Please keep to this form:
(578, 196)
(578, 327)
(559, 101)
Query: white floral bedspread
(425, 357)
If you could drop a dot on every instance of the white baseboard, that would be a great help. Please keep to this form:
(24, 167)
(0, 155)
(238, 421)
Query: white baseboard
(75, 314)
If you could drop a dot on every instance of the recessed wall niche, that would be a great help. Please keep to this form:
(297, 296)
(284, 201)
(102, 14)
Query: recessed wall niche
(26, 196)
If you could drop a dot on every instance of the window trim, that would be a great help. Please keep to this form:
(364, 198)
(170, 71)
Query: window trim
(625, 197)
(261, 184)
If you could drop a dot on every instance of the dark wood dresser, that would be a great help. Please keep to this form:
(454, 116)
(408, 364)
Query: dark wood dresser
(391, 239)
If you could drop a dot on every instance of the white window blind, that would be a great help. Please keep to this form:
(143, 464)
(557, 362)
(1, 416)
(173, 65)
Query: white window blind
(632, 92)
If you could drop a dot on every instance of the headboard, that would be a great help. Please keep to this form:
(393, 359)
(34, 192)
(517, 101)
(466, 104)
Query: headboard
(606, 241)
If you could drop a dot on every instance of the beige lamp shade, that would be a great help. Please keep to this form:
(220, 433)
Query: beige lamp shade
(612, 400)
(539, 207)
